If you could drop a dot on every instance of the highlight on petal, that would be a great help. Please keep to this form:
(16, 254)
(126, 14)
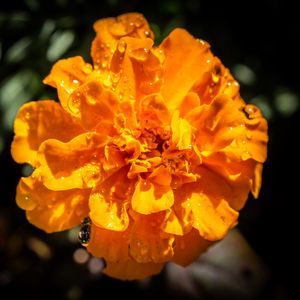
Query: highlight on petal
(149, 198)
(37, 122)
(49, 210)
(110, 200)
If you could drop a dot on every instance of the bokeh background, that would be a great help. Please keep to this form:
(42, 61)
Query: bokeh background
(258, 41)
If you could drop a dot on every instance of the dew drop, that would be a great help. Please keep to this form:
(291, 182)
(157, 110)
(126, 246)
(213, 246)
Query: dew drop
(27, 116)
(144, 250)
(147, 33)
(122, 46)
(216, 73)
(139, 22)
(74, 104)
(75, 81)
(87, 69)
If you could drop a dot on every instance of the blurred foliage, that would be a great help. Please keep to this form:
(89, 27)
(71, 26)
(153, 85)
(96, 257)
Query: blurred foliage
(251, 39)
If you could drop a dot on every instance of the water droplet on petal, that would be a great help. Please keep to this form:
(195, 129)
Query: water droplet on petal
(139, 22)
(216, 73)
(74, 103)
(87, 69)
(147, 33)
(75, 81)
(122, 46)
(27, 116)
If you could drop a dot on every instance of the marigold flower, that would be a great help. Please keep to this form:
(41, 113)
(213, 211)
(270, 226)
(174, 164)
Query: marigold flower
(153, 144)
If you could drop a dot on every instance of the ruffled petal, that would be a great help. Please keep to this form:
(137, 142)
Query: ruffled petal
(110, 200)
(92, 104)
(75, 164)
(148, 243)
(110, 30)
(37, 122)
(188, 247)
(49, 210)
(66, 76)
(132, 270)
(207, 203)
(112, 245)
(182, 53)
(150, 197)
(242, 176)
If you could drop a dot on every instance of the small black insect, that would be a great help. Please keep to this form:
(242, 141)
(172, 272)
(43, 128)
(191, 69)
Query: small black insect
(85, 231)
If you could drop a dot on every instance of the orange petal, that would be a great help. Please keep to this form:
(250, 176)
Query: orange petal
(217, 81)
(92, 104)
(132, 270)
(111, 245)
(66, 76)
(190, 102)
(218, 124)
(153, 111)
(50, 210)
(150, 198)
(109, 201)
(242, 176)
(37, 122)
(110, 30)
(185, 64)
(148, 243)
(76, 164)
(256, 133)
(188, 247)
(207, 200)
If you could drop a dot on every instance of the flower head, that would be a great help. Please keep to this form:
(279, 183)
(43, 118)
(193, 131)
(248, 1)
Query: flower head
(153, 144)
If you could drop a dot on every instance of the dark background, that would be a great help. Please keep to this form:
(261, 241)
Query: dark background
(257, 40)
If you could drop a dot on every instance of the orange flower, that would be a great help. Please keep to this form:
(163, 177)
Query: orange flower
(154, 144)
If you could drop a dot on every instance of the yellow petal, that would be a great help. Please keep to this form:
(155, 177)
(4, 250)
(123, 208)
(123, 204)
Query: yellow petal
(185, 63)
(50, 210)
(132, 270)
(37, 122)
(109, 201)
(76, 164)
(66, 76)
(172, 224)
(150, 198)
